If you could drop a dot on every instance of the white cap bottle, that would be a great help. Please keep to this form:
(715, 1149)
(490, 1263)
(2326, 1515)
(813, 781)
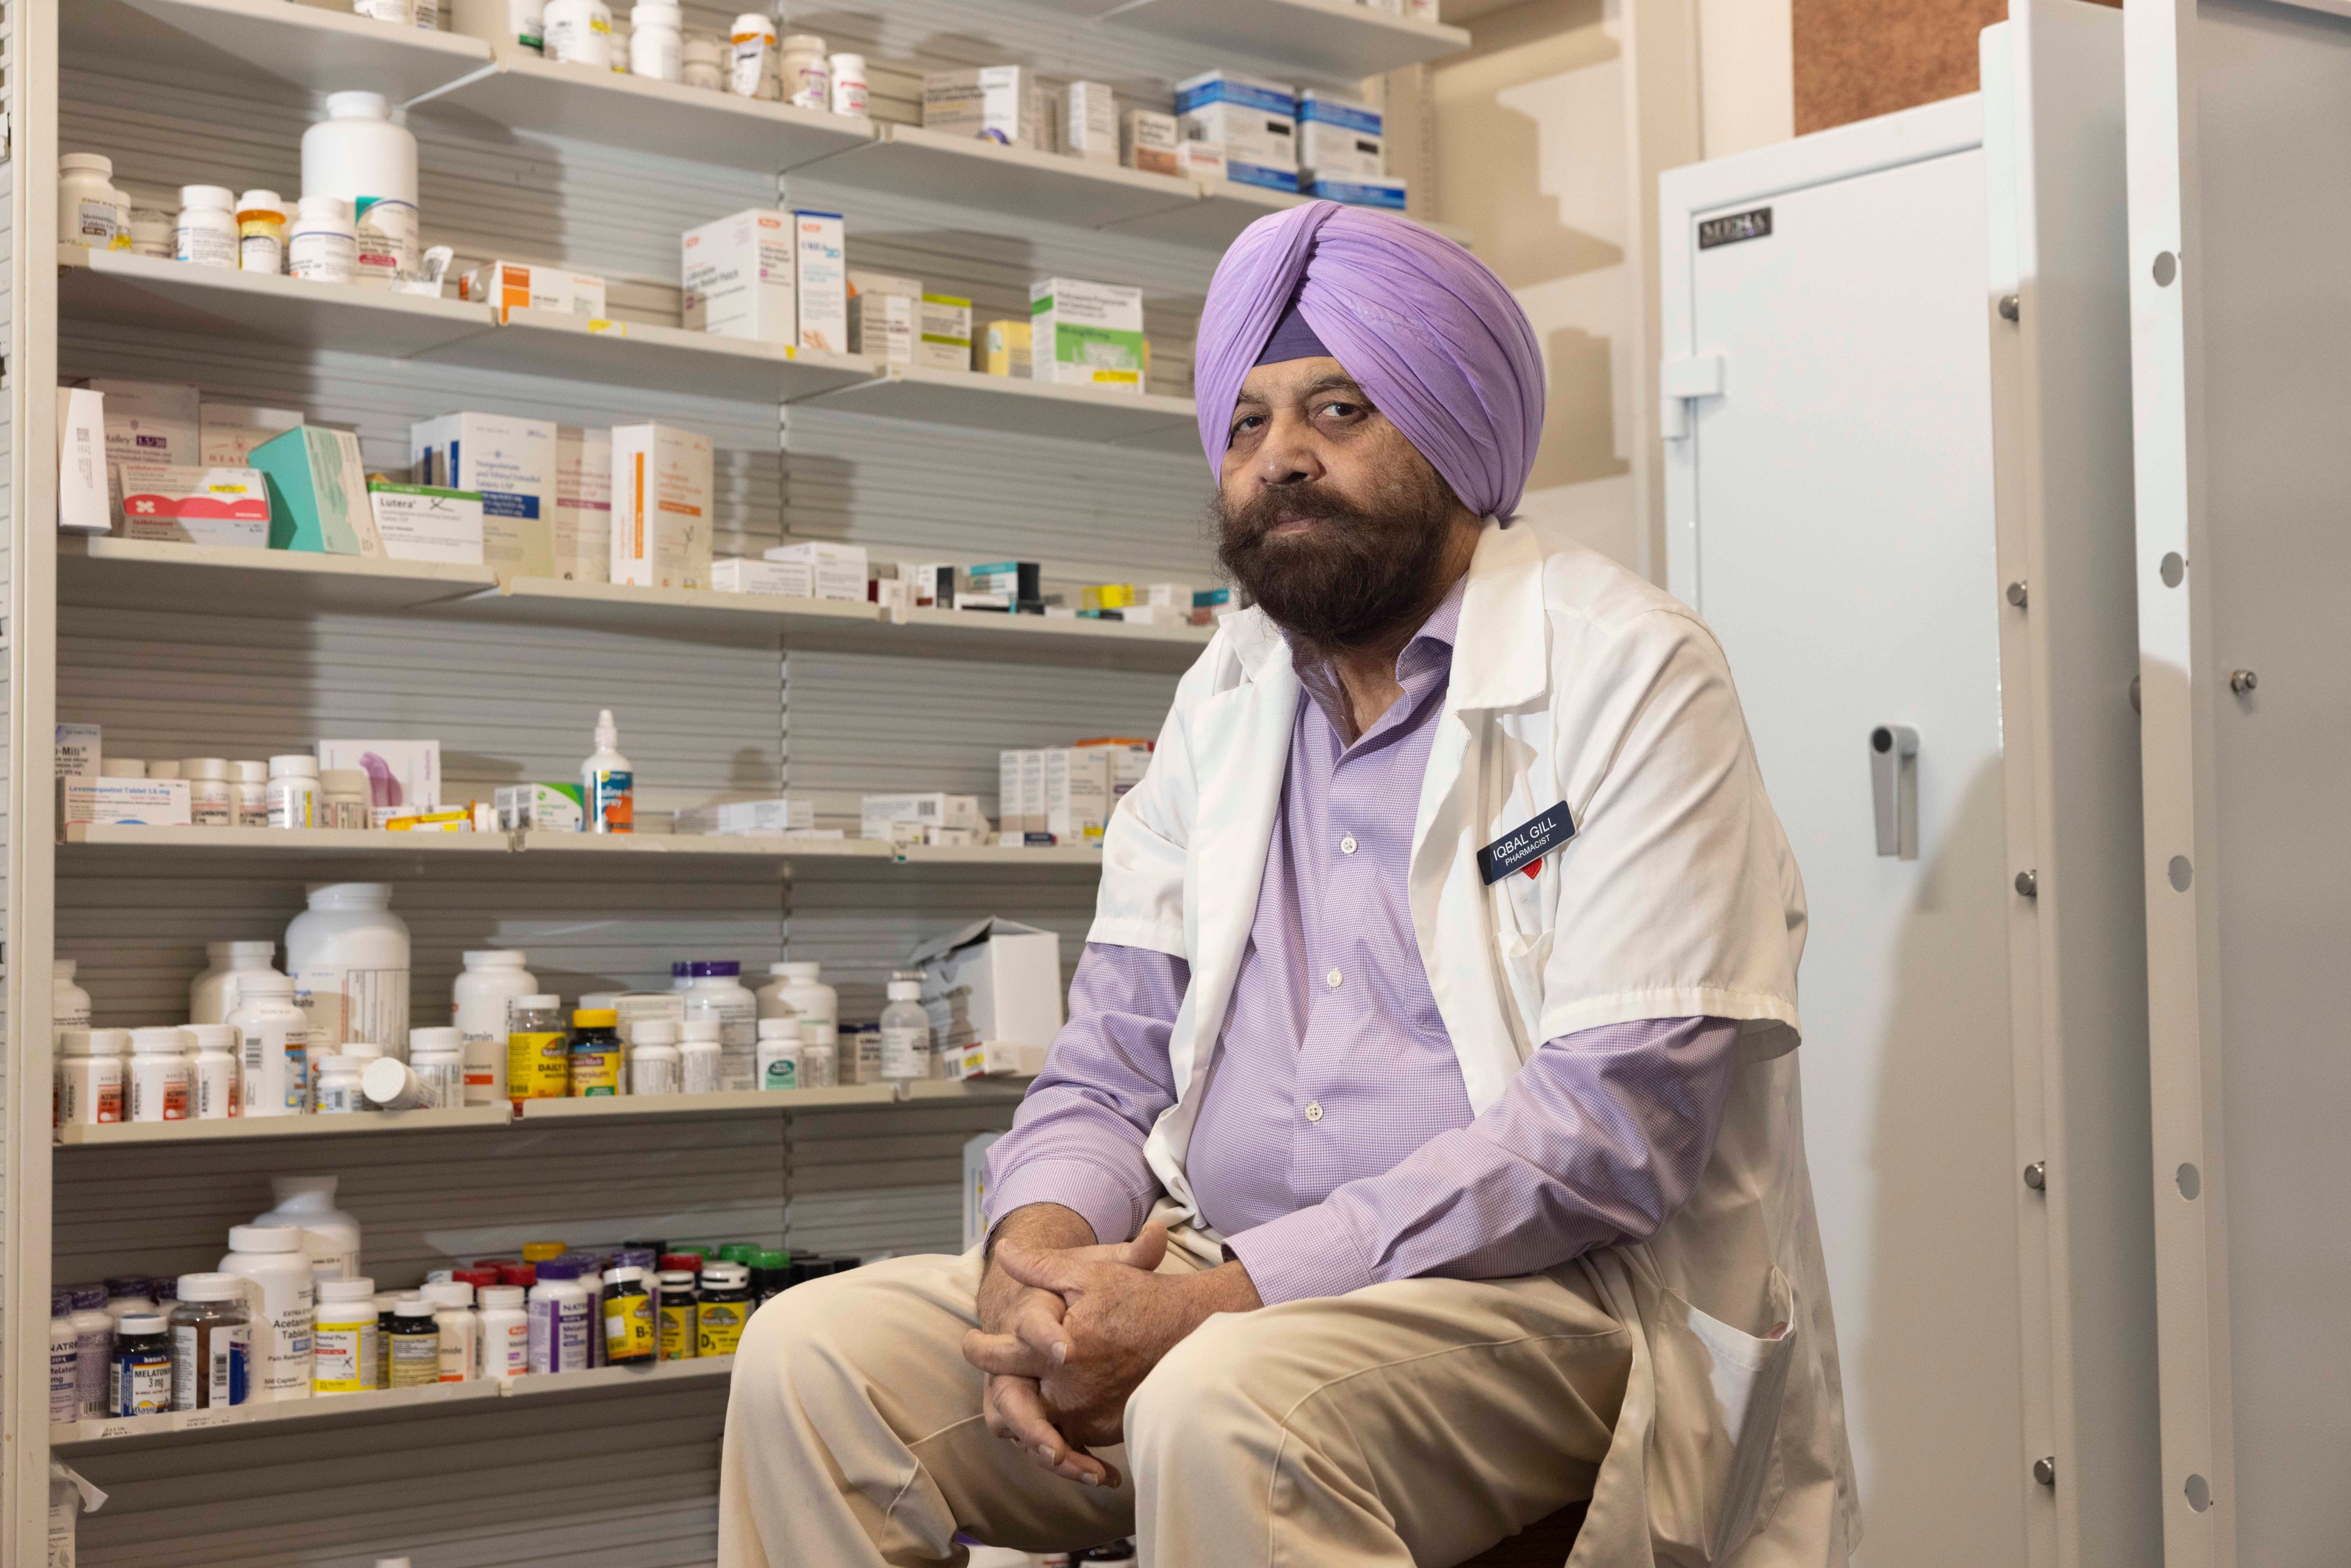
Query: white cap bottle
(273, 1258)
(159, 1075)
(213, 1071)
(331, 1235)
(490, 981)
(607, 784)
(905, 1032)
(213, 995)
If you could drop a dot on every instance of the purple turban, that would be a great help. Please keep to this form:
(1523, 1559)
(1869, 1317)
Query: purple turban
(1421, 324)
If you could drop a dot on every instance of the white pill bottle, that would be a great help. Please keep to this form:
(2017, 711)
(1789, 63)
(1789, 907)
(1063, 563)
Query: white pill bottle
(348, 954)
(358, 154)
(490, 981)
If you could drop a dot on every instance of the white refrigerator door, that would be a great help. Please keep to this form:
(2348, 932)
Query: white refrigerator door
(1831, 515)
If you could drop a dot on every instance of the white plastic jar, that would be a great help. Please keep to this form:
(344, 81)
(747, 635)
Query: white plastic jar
(701, 1063)
(159, 1075)
(438, 1057)
(717, 995)
(754, 69)
(392, 1085)
(344, 798)
(94, 1346)
(653, 1058)
(656, 41)
(65, 1360)
(805, 80)
(294, 791)
(283, 1298)
(504, 1327)
(342, 1090)
(208, 792)
(151, 232)
(460, 1330)
(348, 955)
(69, 1003)
(491, 979)
(793, 992)
(578, 33)
(559, 1319)
(779, 1054)
(347, 1351)
(91, 211)
(205, 233)
(261, 233)
(324, 244)
(849, 89)
(702, 62)
(213, 1073)
(358, 154)
(213, 995)
(89, 1071)
(332, 1237)
(273, 1045)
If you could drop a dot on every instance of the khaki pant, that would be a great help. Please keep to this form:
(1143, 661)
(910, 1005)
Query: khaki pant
(1410, 1423)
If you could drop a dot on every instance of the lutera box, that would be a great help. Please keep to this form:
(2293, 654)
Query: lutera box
(194, 505)
(424, 522)
(821, 281)
(510, 463)
(662, 483)
(738, 274)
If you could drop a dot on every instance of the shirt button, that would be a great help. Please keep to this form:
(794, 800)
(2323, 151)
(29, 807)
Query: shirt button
(1347, 845)
(1314, 1109)
(1331, 979)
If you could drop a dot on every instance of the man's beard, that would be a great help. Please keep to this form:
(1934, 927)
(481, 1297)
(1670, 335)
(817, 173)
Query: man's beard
(1357, 576)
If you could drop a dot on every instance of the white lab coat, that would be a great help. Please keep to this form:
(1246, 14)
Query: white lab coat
(1572, 680)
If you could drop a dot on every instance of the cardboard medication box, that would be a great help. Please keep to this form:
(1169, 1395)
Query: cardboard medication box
(995, 980)
(1004, 104)
(511, 462)
(425, 522)
(1361, 191)
(836, 571)
(151, 421)
(194, 505)
(1002, 350)
(228, 432)
(1077, 794)
(123, 802)
(737, 276)
(661, 501)
(1148, 141)
(996, 1059)
(1253, 120)
(403, 776)
(79, 750)
(1084, 333)
(557, 808)
(790, 579)
(1090, 122)
(317, 493)
(784, 814)
(82, 482)
(583, 504)
(511, 285)
(878, 813)
(821, 281)
(1339, 136)
(944, 339)
(884, 317)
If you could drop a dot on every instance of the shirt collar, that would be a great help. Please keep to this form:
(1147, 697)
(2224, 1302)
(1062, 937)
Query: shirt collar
(1426, 660)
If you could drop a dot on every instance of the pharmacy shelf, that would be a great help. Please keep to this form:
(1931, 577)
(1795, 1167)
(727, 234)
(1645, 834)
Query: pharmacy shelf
(728, 1102)
(639, 845)
(1333, 40)
(964, 170)
(1050, 639)
(1022, 407)
(248, 1129)
(135, 839)
(674, 611)
(338, 1409)
(520, 92)
(1226, 207)
(658, 359)
(119, 288)
(155, 574)
(1082, 856)
(289, 46)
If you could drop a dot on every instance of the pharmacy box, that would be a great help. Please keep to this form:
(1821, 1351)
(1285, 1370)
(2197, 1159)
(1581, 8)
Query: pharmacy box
(228, 432)
(555, 808)
(878, 814)
(1087, 334)
(403, 776)
(1004, 104)
(1339, 136)
(511, 285)
(782, 814)
(82, 478)
(1361, 191)
(123, 802)
(427, 522)
(1148, 141)
(785, 579)
(317, 493)
(821, 281)
(79, 750)
(583, 503)
(884, 317)
(509, 462)
(1090, 121)
(995, 979)
(660, 507)
(1253, 120)
(996, 1059)
(1077, 794)
(943, 339)
(194, 506)
(151, 421)
(1002, 350)
(836, 571)
(737, 277)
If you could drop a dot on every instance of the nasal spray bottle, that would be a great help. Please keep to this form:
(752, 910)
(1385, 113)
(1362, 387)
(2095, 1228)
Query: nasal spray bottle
(607, 786)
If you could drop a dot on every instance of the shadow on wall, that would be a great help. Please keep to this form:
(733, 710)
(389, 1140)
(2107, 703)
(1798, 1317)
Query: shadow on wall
(1947, 1481)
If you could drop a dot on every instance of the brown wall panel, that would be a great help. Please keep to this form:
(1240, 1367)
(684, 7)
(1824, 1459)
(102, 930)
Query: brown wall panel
(1856, 58)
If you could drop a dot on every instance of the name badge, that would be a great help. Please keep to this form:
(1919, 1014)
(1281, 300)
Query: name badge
(1523, 847)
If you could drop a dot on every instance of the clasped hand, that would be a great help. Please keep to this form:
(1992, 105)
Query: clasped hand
(1067, 1332)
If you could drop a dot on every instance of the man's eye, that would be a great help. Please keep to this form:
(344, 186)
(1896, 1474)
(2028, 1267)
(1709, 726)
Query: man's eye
(1342, 409)
(1248, 422)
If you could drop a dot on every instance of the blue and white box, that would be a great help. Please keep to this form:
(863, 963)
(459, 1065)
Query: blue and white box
(1253, 120)
(1387, 194)
(1339, 136)
(511, 462)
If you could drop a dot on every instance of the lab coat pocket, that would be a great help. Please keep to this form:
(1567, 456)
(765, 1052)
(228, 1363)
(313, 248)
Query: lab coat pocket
(1714, 1474)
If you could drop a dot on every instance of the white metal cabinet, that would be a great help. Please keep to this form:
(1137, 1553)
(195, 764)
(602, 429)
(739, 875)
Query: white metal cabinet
(2241, 333)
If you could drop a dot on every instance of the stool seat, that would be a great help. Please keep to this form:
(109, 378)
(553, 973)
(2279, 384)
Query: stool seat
(1545, 1544)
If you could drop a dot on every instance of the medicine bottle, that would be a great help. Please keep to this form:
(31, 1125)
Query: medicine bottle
(578, 33)
(506, 1331)
(89, 1074)
(701, 1060)
(793, 992)
(341, 1089)
(723, 1307)
(677, 1309)
(717, 996)
(539, 1051)
(294, 792)
(65, 1360)
(630, 1334)
(617, 49)
(261, 233)
(168, 767)
(159, 1075)
(702, 62)
(415, 1348)
(905, 1032)
(93, 1346)
(357, 153)
(608, 785)
(656, 44)
(208, 795)
(206, 232)
(248, 794)
(91, 211)
(69, 1003)
(558, 1318)
(329, 1235)
(779, 1054)
(273, 1045)
(213, 995)
(390, 1085)
(849, 89)
(461, 1333)
(142, 1380)
(344, 798)
(274, 1260)
(323, 246)
(212, 1343)
(346, 1337)
(440, 1061)
(595, 1068)
(591, 1279)
(348, 955)
(212, 1073)
(479, 1004)
(654, 1065)
(807, 81)
(755, 71)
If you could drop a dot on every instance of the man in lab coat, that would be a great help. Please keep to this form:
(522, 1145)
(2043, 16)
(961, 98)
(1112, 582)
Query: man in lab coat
(1424, 1151)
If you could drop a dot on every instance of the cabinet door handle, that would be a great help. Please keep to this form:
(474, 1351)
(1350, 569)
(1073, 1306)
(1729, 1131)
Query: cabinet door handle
(1894, 788)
